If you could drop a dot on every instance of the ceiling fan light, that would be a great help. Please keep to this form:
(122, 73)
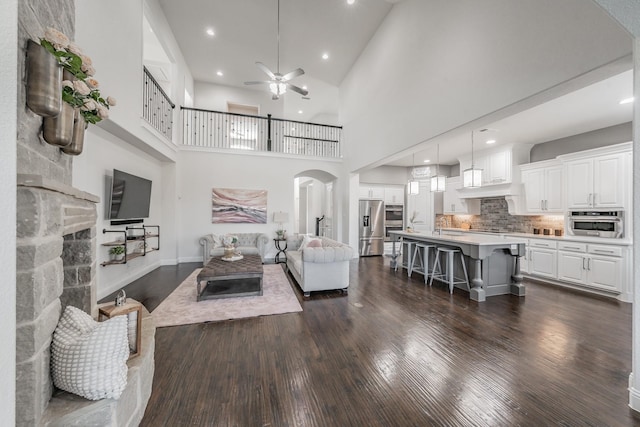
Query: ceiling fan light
(438, 183)
(278, 88)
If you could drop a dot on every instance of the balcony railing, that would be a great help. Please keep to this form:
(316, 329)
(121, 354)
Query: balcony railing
(215, 129)
(157, 108)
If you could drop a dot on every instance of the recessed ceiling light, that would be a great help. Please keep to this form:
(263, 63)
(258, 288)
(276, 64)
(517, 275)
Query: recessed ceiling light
(325, 56)
(304, 87)
(351, 1)
(210, 32)
(491, 141)
(627, 101)
(427, 161)
(299, 111)
(220, 73)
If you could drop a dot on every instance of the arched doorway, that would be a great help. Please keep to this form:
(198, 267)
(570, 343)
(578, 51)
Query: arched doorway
(314, 209)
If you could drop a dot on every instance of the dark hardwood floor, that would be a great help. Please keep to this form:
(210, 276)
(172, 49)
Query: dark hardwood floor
(396, 353)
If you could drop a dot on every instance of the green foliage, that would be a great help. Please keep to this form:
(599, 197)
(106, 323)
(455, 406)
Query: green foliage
(116, 250)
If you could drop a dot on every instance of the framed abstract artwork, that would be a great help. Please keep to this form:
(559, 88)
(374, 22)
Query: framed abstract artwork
(230, 205)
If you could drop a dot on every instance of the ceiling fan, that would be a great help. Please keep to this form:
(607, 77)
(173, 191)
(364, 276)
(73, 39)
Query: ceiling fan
(279, 83)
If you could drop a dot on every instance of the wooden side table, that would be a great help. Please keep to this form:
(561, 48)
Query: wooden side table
(133, 310)
(281, 251)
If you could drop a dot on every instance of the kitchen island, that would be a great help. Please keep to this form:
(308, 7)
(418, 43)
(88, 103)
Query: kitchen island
(493, 262)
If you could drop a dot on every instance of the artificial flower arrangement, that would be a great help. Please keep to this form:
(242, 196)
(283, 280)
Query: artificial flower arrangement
(82, 93)
(229, 241)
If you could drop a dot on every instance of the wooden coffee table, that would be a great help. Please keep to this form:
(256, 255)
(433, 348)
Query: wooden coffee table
(229, 279)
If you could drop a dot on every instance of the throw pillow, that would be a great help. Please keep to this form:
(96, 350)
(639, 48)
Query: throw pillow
(315, 243)
(89, 358)
(308, 239)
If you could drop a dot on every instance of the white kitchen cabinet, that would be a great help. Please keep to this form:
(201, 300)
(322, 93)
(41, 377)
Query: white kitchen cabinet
(543, 258)
(394, 195)
(371, 192)
(420, 207)
(596, 266)
(543, 187)
(596, 182)
(453, 205)
(498, 168)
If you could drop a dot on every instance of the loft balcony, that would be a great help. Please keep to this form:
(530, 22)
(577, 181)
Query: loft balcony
(233, 131)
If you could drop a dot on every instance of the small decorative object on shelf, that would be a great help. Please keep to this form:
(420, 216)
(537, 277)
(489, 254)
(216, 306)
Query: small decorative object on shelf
(133, 310)
(117, 253)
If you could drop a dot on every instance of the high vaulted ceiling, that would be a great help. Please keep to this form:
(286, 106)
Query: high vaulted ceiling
(246, 32)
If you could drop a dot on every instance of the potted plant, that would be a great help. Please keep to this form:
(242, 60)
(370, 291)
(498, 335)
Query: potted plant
(116, 253)
(280, 234)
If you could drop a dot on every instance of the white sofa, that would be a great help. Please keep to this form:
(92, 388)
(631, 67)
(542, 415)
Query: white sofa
(248, 243)
(319, 268)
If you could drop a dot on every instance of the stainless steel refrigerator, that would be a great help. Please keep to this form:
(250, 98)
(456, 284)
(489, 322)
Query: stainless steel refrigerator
(371, 227)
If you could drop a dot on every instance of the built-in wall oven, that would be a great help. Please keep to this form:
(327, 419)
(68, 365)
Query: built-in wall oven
(393, 219)
(597, 223)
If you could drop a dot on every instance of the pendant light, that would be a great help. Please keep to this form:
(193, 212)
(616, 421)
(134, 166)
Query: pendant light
(438, 181)
(413, 186)
(472, 177)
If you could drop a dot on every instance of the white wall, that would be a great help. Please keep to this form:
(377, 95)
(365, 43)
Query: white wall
(214, 97)
(322, 108)
(8, 132)
(199, 172)
(434, 66)
(102, 153)
(111, 34)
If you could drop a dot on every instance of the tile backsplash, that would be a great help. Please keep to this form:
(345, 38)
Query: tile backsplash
(494, 215)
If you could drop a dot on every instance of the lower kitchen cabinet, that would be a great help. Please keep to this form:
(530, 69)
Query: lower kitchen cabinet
(595, 266)
(543, 258)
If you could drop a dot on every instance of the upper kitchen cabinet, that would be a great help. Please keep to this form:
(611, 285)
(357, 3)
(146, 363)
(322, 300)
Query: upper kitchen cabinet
(597, 178)
(497, 163)
(420, 208)
(394, 195)
(543, 189)
(368, 191)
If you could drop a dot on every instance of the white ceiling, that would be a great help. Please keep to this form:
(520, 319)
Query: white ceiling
(246, 32)
(593, 107)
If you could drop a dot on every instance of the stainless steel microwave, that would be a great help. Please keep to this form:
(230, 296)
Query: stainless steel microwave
(597, 223)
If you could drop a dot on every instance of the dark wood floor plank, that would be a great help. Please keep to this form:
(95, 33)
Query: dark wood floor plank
(395, 352)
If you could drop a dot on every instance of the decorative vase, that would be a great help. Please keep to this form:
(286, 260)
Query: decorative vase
(77, 140)
(229, 252)
(59, 130)
(44, 81)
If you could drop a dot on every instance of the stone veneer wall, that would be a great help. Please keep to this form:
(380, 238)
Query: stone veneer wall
(494, 214)
(44, 199)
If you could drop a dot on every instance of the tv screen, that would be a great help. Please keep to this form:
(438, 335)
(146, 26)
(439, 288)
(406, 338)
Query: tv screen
(130, 196)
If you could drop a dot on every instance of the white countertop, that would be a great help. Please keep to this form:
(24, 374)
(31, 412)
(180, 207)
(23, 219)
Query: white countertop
(487, 239)
(567, 238)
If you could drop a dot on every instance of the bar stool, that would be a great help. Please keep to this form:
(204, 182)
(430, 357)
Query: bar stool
(405, 248)
(421, 255)
(447, 275)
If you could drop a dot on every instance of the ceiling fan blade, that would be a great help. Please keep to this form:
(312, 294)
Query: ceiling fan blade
(266, 70)
(295, 73)
(262, 82)
(295, 88)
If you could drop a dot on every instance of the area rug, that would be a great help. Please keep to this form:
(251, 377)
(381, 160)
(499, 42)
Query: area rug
(181, 307)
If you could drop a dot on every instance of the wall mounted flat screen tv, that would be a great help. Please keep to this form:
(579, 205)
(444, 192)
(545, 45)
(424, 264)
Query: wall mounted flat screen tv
(130, 196)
